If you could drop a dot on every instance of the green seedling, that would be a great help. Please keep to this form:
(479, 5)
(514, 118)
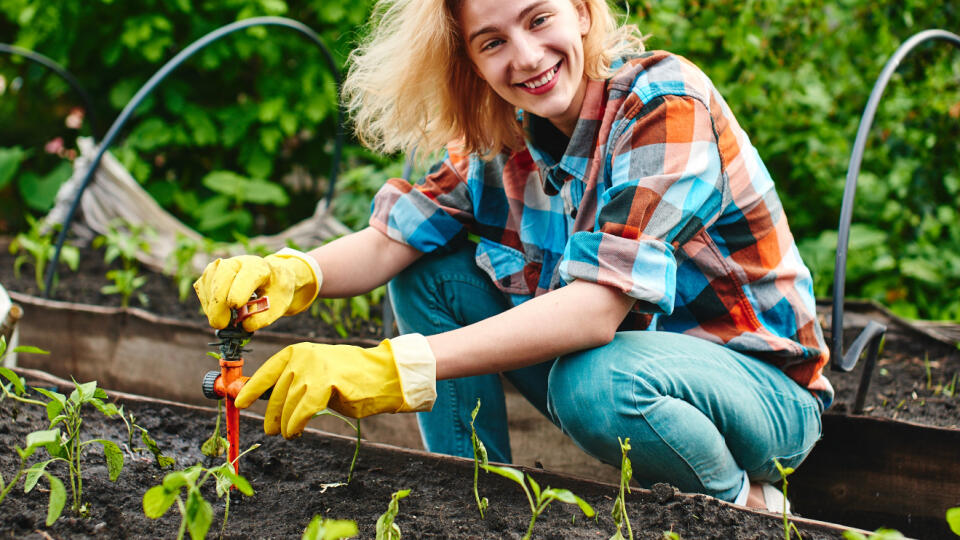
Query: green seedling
(356, 428)
(950, 390)
(926, 368)
(788, 526)
(180, 264)
(330, 529)
(879, 534)
(953, 519)
(196, 513)
(386, 528)
(217, 444)
(150, 445)
(63, 443)
(346, 315)
(479, 459)
(123, 241)
(670, 535)
(38, 247)
(58, 494)
(539, 500)
(619, 511)
(16, 387)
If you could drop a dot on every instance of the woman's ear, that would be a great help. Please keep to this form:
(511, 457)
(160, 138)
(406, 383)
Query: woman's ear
(583, 17)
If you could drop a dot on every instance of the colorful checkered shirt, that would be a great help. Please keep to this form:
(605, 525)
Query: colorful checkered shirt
(659, 194)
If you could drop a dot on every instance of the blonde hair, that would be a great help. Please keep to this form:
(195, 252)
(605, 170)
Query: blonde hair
(411, 84)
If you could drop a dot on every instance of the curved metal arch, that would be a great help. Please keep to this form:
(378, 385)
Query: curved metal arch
(160, 75)
(64, 74)
(850, 188)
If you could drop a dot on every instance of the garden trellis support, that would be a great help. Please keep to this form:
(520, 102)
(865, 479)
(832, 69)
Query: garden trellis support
(162, 74)
(65, 75)
(872, 335)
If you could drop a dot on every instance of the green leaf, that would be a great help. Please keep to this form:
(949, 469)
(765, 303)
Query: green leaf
(58, 499)
(10, 160)
(40, 192)
(44, 438)
(567, 496)
(114, 457)
(535, 487)
(30, 349)
(506, 472)
(176, 479)
(55, 397)
(245, 189)
(17, 381)
(242, 484)
(33, 475)
(199, 515)
(953, 519)
(157, 500)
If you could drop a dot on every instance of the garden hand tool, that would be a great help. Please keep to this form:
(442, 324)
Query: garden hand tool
(226, 383)
(290, 278)
(398, 375)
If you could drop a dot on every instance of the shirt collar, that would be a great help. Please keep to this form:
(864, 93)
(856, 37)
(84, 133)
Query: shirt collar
(576, 159)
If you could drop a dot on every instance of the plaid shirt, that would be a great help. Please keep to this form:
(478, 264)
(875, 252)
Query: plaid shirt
(659, 194)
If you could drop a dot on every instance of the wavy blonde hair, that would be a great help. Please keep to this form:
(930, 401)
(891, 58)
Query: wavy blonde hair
(411, 84)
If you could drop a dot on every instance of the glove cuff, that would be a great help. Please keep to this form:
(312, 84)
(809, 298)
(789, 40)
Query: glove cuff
(304, 301)
(417, 371)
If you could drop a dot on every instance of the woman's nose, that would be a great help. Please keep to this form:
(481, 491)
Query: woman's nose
(527, 53)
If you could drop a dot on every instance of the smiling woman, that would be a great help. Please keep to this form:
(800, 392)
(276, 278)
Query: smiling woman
(600, 231)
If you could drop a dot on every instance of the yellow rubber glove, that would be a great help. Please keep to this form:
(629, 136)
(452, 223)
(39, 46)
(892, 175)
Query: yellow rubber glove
(399, 375)
(289, 279)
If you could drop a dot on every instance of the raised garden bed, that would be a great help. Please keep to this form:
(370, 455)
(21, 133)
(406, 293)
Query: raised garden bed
(892, 466)
(289, 478)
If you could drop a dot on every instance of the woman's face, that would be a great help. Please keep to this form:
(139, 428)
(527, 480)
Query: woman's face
(531, 53)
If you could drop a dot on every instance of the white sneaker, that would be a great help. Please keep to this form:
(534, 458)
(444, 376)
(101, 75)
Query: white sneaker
(774, 500)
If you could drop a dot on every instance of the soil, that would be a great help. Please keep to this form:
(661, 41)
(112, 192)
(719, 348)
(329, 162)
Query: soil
(292, 484)
(911, 382)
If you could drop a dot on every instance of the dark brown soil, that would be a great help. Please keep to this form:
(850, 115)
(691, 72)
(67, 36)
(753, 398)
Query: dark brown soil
(289, 478)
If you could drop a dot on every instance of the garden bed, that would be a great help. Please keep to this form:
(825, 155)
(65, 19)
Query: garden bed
(289, 478)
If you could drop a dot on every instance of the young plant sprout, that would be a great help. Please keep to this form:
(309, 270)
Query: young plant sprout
(788, 526)
(539, 500)
(216, 445)
(58, 494)
(180, 264)
(196, 514)
(161, 460)
(386, 528)
(330, 529)
(670, 535)
(38, 247)
(124, 241)
(619, 511)
(356, 427)
(879, 534)
(479, 459)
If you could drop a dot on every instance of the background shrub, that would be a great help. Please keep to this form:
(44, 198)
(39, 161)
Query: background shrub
(797, 74)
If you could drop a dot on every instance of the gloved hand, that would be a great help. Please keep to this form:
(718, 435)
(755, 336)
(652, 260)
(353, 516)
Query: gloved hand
(399, 375)
(289, 279)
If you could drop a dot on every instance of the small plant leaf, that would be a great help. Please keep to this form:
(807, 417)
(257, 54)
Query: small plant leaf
(567, 496)
(199, 515)
(47, 438)
(215, 446)
(175, 480)
(33, 475)
(506, 472)
(534, 486)
(53, 396)
(953, 519)
(242, 484)
(162, 460)
(386, 528)
(108, 409)
(114, 457)
(330, 529)
(157, 500)
(30, 349)
(58, 498)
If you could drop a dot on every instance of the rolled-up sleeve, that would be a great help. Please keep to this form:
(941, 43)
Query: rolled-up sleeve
(664, 184)
(430, 213)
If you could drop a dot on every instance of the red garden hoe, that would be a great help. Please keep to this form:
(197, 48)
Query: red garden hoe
(226, 383)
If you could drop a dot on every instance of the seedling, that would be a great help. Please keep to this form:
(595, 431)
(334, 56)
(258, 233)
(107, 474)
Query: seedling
(180, 264)
(386, 528)
(161, 460)
(124, 244)
(333, 311)
(38, 247)
(670, 535)
(619, 511)
(950, 390)
(479, 459)
(216, 445)
(788, 526)
(926, 367)
(196, 514)
(330, 529)
(15, 382)
(879, 534)
(356, 427)
(539, 500)
(58, 494)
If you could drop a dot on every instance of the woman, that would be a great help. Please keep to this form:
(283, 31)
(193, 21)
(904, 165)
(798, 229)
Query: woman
(600, 231)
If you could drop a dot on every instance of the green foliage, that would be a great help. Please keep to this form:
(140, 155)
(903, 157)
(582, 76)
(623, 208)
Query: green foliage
(258, 104)
(346, 314)
(386, 528)
(356, 428)
(797, 75)
(479, 459)
(216, 445)
(123, 241)
(37, 247)
(789, 527)
(539, 500)
(179, 264)
(150, 445)
(196, 513)
(953, 519)
(619, 511)
(879, 534)
(330, 529)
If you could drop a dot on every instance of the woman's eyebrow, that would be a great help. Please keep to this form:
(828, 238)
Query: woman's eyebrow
(491, 28)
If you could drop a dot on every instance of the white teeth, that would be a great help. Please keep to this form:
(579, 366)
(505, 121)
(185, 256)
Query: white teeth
(547, 77)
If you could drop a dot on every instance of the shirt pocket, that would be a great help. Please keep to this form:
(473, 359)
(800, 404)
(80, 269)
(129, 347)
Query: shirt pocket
(510, 269)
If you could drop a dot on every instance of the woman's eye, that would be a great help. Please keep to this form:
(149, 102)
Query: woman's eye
(491, 44)
(537, 21)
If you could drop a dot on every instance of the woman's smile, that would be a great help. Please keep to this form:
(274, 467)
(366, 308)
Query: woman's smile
(542, 83)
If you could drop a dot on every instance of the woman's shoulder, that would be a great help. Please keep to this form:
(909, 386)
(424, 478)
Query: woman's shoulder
(653, 74)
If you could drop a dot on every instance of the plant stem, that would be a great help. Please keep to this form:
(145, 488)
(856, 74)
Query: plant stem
(183, 522)
(9, 394)
(8, 487)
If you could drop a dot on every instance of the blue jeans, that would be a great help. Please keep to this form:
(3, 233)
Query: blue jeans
(697, 414)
